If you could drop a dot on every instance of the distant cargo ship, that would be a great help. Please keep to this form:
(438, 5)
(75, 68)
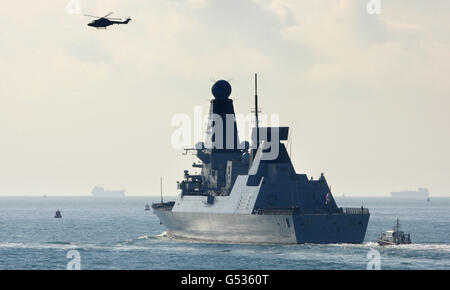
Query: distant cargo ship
(99, 191)
(420, 193)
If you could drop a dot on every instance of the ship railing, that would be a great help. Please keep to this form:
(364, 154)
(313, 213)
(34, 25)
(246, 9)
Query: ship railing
(297, 211)
(355, 210)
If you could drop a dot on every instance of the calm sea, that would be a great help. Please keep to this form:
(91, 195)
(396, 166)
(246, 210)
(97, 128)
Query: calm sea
(116, 233)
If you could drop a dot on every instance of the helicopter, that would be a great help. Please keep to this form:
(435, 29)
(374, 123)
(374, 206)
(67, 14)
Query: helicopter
(105, 21)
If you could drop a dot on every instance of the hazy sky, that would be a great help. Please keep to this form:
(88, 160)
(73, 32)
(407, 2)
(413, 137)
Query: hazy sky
(367, 96)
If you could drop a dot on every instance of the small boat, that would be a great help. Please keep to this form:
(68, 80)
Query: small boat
(147, 207)
(58, 214)
(394, 237)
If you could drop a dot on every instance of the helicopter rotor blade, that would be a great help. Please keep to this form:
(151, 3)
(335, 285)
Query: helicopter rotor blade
(91, 16)
(107, 14)
(113, 18)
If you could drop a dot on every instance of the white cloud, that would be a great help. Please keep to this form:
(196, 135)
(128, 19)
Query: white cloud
(350, 83)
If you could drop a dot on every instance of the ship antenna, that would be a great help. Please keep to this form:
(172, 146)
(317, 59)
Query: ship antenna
(161, 191)
(256, 111)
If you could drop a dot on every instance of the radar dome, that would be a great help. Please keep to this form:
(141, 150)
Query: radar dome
(221, 90)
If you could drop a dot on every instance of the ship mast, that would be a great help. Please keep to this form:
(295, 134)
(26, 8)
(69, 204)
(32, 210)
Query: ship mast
(161, 190)
(256, 111)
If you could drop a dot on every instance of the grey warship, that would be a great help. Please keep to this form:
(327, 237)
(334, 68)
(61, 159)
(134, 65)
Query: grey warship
(243, 196)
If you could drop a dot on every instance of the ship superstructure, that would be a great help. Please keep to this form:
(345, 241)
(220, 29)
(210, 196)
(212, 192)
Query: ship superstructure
(253, 194)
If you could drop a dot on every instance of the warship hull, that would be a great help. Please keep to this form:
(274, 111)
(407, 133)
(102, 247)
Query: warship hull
(255, 228)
